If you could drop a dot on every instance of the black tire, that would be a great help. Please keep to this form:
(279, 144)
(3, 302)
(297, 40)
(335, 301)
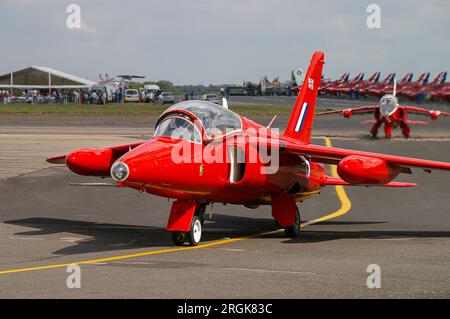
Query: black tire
(194, 235)
(294, 230)
(179, 238)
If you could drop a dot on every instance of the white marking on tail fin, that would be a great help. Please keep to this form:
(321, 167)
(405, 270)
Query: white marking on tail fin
(301, 118)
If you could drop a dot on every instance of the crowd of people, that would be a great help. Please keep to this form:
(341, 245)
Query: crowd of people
(5, 97)
(94, 95)
(54, 96)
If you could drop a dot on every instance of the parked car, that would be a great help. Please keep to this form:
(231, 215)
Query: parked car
(100, 89)
(131, 95)
(166, 97)
(214, 98)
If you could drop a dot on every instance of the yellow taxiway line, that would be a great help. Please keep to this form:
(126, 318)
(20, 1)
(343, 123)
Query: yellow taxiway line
(345, 207)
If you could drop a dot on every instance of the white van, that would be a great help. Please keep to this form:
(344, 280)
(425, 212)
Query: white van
(131, 95)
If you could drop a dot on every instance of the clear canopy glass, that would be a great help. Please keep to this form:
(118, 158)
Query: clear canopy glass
(388, 105)
(216, 119)
(178, 127)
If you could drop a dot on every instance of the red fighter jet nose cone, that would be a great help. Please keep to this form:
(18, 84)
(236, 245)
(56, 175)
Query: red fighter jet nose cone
(120, 172)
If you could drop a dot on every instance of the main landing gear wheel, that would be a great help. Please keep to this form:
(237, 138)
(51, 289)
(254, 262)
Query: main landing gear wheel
(178, 238)
(195, 233)
(294, 230)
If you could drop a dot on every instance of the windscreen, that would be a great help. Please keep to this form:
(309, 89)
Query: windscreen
(178, 127)
(217, 120)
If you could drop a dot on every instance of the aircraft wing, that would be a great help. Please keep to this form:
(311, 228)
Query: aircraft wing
(356, 110)
(332, 155)
(119, 149)
(421, 111)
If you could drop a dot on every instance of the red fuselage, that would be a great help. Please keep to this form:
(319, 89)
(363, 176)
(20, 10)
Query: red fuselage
(153, 170)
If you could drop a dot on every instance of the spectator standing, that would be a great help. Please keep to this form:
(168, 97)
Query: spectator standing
(76, 97)
(94, 97)
(350, 93)
(7, 98)
(119, 95)
(152, 97)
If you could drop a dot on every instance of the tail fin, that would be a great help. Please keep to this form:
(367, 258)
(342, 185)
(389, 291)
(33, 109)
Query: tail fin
(374, 78)
(440, 78)
(406, 79)
(302, 116)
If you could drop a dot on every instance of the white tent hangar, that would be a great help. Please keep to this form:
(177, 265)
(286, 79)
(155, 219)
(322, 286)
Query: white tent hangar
(41, 77)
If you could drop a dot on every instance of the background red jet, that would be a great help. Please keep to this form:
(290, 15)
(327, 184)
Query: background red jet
(391, 114)
(380, 89)
(411, 89)
(205, 134)
(343, 87)
(327, 84)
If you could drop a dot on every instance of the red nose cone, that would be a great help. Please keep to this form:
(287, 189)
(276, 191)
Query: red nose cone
(148, 163)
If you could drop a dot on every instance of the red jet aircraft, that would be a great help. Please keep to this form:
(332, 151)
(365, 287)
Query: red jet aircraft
(246, 177)
(411, 89)
(344, 87)
(380, 89)
(391, 114)
(327, 84)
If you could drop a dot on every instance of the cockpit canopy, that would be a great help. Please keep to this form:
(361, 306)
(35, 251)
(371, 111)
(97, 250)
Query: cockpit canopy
(388, 105)
(215, 119)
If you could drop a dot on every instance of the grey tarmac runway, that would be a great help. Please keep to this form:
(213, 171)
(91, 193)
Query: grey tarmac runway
(118, 238)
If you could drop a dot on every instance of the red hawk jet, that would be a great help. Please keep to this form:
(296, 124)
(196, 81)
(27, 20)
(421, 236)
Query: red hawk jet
(203, 153)
(391, 114)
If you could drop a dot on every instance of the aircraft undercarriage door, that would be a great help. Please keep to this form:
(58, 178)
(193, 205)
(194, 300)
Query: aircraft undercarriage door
(236, 163)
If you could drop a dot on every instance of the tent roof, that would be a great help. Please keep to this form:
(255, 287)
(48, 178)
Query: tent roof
(38, 77)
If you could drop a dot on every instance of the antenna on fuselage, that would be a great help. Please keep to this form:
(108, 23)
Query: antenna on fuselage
(224, 102)
(395, 87)
(269, 126)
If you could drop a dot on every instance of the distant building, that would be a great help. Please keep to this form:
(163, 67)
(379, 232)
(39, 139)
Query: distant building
(43, 78)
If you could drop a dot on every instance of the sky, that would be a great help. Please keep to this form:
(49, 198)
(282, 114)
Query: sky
(224, 41)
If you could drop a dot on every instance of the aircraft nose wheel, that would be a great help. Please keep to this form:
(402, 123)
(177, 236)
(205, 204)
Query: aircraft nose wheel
(294, 230)
(193, 236)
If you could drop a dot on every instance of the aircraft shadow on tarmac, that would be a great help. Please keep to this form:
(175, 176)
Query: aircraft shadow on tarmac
(101, 237)
(323, 236)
